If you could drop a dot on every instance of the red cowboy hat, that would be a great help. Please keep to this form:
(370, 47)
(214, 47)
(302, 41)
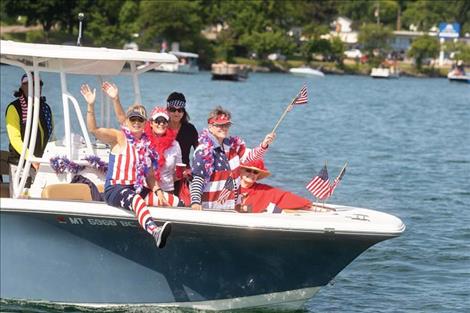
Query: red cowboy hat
(257, 165)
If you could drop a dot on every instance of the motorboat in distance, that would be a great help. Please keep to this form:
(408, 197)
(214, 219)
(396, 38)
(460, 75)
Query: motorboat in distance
(383, 72)
(306, 71)
(187, 63)
(62, 248)
(458, 76)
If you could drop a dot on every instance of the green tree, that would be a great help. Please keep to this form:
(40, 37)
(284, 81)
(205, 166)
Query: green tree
(461, 50)
(316, 46)
(45, 12)
(337, 50)
(426, 14)
(174, 21)
(374, 36)
(422, 48)
(267, 42)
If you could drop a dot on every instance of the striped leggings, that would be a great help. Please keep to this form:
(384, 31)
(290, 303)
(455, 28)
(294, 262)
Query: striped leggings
(125, 197)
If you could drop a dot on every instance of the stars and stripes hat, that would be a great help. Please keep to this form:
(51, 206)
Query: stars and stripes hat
(159, 111)
(176, 100)
(257, 165)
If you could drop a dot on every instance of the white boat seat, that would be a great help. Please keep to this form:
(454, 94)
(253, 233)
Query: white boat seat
(67, 192)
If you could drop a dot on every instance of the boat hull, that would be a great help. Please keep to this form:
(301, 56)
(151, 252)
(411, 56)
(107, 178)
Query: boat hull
(101, 261)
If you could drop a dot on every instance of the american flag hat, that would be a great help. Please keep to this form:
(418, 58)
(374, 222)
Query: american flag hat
(159, 111)
(257, 165)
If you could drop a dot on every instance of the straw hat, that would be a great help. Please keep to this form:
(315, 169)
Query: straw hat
(257, 165)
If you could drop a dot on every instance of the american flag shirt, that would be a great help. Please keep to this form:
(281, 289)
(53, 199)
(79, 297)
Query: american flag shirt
(206, 189)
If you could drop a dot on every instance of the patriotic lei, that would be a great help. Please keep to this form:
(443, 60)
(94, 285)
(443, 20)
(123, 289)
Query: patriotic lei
(144, 152)
(62, 164)
(207, 143)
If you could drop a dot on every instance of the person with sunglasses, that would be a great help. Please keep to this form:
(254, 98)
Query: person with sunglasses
(216, 164)
(15, 119)
(130, 181)
(162, 140)
(257, 198)
(187, 135)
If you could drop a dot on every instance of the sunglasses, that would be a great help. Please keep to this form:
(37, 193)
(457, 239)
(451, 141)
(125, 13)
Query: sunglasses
(40, 83)
(226, 125)
(160, 120)
(136, 119)
(173, 110)
(248, 170)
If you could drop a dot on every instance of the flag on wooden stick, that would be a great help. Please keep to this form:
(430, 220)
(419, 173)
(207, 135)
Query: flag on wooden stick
(319, 186)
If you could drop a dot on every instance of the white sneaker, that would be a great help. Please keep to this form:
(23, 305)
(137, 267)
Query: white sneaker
(161, 234)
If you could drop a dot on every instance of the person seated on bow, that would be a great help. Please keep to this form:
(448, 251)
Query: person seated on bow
(258, 198)
(216, 164)
(130, 181)
(163, 141)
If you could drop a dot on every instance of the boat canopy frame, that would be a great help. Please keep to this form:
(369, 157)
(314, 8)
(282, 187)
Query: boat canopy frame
(101, 62)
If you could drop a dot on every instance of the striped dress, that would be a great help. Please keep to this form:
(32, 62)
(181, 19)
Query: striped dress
(206, 188)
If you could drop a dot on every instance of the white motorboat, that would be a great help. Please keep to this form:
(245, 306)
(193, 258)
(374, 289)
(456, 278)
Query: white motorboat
(458, 76)
(70, 250)
(306, 71)
(382, 72)
(187, 63)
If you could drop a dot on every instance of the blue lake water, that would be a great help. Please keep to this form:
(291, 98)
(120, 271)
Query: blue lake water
(407, 142)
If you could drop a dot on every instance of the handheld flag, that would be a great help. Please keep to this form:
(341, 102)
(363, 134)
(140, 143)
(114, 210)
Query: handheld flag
(338, 179)
(227, 190)
(302, 96)
(319, 186)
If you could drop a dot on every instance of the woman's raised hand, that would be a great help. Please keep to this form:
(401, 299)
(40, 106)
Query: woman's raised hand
(90, 96)
(110, 89)
(268, 140)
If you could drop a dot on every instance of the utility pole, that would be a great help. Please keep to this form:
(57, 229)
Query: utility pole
(81, 17)
(377, 12)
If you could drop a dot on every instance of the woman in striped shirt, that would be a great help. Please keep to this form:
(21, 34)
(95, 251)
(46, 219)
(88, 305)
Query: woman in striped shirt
(216, 164)
(130, 182)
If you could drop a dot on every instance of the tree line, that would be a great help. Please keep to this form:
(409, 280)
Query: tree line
(245, 28)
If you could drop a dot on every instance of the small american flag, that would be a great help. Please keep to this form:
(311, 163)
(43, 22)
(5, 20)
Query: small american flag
(319, 186)
(338, 179)
(302, 97)
(227, 190)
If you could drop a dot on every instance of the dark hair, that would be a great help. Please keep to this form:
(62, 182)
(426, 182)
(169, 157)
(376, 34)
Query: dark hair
(17, 93)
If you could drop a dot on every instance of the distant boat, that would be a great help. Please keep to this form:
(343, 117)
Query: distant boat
(226, 71)
(187, 63)
(306, 71)
(379, 72)
(458, 76)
